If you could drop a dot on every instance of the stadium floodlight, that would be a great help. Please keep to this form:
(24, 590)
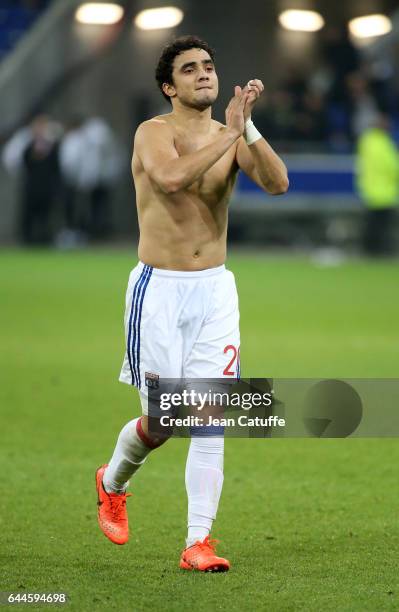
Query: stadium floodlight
(99, 13)
(159, 18)
(370, 26)
(301, 21)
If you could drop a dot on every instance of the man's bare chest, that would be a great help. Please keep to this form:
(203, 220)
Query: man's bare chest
(219, 178)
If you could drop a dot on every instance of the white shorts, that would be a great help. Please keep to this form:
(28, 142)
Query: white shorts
(180, 325)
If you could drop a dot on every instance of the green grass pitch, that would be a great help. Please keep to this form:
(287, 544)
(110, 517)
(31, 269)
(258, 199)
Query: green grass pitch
(307, 524)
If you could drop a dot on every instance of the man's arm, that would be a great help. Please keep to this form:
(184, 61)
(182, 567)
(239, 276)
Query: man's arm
(263, 166)
(154, 145)
(258, 160)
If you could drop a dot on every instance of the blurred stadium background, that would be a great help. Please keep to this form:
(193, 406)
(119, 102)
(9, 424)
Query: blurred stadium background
(309, 524)
(329, 78)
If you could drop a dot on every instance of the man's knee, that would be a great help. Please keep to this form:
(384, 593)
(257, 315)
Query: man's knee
(155, 434)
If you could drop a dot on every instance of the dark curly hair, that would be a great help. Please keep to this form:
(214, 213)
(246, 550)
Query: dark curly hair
(164, 69)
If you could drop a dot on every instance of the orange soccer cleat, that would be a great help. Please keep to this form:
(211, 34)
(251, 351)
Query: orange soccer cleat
(201, 556)
(112, 513)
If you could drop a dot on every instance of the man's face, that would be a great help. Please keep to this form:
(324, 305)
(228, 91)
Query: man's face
(195, 82)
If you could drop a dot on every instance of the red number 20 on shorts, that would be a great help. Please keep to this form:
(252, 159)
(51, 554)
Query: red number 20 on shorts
(235, 354)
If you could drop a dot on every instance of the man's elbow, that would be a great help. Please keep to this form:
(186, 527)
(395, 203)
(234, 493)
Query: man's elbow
(169, 184)
(169, 187)
(280, 187)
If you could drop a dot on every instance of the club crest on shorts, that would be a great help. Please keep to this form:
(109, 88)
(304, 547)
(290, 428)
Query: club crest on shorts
(151, 380)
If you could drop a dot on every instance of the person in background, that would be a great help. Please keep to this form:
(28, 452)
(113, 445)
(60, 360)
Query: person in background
(377, 179)
(33, 153)
(363, 107)
(91, 162)
(72, 233)
(311, 120)
(70, 157)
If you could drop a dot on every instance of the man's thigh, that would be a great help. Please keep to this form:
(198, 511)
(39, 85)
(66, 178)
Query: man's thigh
(216, 351)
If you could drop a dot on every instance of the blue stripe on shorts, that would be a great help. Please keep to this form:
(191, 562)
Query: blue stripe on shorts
(139, 324)
(145, 274)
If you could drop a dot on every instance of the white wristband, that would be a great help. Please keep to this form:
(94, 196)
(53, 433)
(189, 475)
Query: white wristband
(251, 134)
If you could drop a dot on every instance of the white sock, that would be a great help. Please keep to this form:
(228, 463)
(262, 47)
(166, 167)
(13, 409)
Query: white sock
(129, 454)
(204, 481)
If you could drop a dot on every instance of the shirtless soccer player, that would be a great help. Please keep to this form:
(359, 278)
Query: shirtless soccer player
(182, 318)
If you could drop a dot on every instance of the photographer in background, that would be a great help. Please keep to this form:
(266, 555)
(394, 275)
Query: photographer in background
(377, 169)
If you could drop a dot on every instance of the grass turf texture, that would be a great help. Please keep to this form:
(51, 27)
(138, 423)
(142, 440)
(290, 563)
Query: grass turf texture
(306, 524)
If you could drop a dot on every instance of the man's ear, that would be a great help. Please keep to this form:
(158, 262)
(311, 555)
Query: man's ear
(169, 90)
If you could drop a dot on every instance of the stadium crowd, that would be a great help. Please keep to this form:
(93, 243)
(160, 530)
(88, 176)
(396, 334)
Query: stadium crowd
(327, 109)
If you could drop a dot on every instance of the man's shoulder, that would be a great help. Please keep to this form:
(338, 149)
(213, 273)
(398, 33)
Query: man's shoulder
(155, 122)
(151, 127)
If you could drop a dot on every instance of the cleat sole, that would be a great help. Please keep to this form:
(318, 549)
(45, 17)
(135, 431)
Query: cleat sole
(213, 569)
